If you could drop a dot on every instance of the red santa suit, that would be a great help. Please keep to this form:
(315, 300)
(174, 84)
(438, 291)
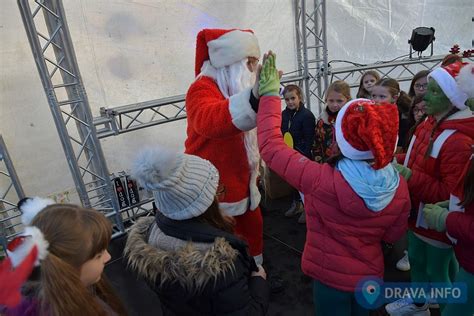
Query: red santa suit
(222, 130)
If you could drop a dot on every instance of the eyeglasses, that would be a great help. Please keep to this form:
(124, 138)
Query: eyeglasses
(415, 110)
(421, 86)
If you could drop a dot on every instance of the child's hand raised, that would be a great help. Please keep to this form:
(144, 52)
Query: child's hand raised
(269, 83)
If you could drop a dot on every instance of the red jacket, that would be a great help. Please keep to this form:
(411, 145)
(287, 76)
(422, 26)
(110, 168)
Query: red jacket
(460, 225)
(434, 178)
(343, 236)
(217, 131)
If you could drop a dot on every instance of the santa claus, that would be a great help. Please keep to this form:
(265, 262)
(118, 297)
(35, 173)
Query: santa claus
(221, 124)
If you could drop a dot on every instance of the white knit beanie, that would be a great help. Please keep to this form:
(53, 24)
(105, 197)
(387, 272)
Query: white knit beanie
(184, 186)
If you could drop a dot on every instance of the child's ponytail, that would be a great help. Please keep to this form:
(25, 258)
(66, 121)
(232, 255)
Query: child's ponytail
(403, 102)
(70, 236)
(61, 290)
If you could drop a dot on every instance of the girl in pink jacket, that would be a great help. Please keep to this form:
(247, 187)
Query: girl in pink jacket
(353, 202)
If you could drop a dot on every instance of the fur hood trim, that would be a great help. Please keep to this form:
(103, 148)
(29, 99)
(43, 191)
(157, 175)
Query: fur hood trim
(190, 267)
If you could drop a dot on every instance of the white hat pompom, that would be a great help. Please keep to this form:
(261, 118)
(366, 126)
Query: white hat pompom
(31, 207)
(153, 165)
(465, 79)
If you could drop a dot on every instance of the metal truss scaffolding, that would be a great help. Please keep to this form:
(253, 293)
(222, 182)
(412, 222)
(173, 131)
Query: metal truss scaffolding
(50, 41)
(9, 214)
(311, 50)
(52, 47)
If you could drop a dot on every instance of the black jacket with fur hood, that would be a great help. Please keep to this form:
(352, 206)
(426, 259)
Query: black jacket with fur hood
(195, 268)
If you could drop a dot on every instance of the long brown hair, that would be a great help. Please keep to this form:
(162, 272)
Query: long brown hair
(362, 93)
(214, 217)
(75, 235)
(416, 77)
(412, 122)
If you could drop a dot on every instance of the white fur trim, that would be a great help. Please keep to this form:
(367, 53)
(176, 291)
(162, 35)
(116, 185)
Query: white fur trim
(31, 207)
(253, 157)
(232, 47)
(454, 206)
(449, 86)
(243, 116)
(463, 114)
(465, 80)
(235, 208)
(207, 70)
(39, 240)
(34, 238)
(346, 148)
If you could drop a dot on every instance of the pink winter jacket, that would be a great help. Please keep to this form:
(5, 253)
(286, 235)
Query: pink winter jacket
(343, 236)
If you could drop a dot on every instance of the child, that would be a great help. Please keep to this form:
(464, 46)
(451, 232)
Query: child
(351, 204)
(388, 90)
(297, 124)
(188, 253)
(458, 224)
(432, 166)
(417, 109)
(418, 84)
(72, 245)
(417, 115)
(338, 94)
(367, 81)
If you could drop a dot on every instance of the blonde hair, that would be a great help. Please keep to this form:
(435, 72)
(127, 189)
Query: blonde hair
(75, 235)
(341, 87)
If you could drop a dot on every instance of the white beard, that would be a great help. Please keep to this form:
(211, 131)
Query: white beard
(234, 78)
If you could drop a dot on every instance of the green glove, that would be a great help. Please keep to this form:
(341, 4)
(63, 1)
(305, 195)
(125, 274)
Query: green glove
(403, 171)
(435, 217)
(269, 83)
(470, 103)
(443, 204)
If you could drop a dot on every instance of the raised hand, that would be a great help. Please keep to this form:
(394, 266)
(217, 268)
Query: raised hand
(269, 84)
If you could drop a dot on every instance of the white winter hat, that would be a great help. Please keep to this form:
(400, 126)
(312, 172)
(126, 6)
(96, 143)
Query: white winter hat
(184, 186)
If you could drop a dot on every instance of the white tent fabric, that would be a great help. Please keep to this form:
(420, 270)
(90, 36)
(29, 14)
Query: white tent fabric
(136, 50)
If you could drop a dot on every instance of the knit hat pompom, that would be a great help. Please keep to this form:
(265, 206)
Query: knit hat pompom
(183, 186)
(365, 130)
(153, 165)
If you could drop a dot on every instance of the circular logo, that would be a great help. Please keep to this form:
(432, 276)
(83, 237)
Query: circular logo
(368, 292)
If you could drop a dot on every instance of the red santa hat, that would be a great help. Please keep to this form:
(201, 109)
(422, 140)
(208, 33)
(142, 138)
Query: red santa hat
(446, 79)
(224, 47)
(365, 130)
(24, 253)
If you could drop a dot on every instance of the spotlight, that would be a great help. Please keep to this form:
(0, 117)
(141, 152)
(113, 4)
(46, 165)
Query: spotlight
(421, 38)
